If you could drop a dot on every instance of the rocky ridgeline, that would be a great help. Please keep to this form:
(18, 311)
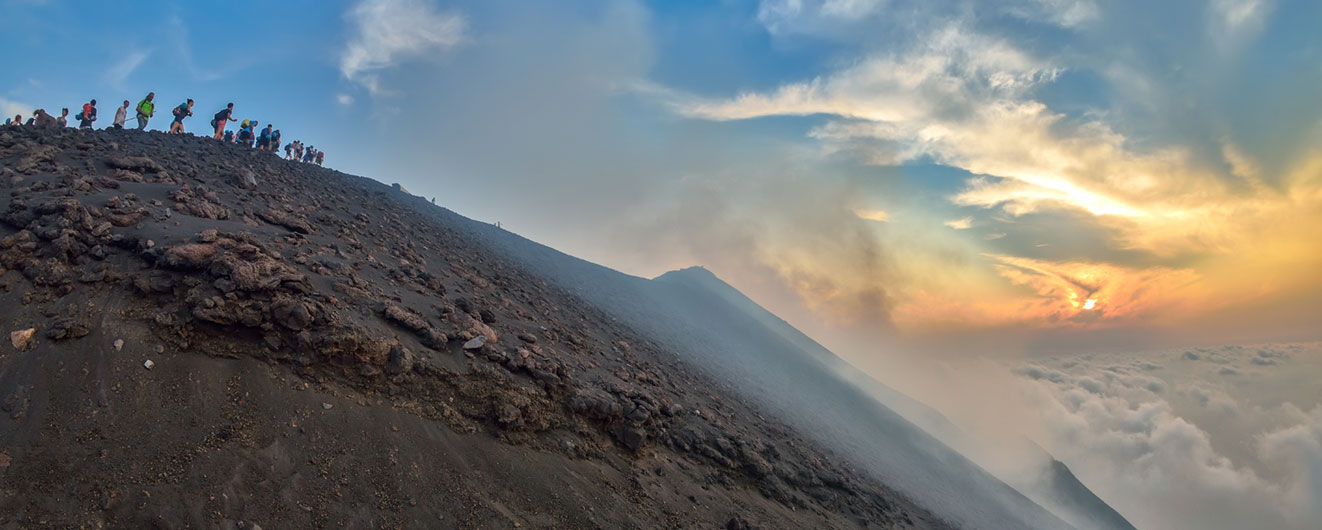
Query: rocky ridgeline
(230, 252)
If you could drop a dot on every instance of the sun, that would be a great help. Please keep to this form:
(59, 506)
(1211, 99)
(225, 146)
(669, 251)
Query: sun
(1091, 303)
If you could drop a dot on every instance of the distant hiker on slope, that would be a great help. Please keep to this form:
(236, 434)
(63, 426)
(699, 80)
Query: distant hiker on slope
(146, 110)
(289, 150)
(264, 139)
(309, 154)
(63, 120)
(320, 156)
(43, 120)
(222, 119)
(184, 110)
(121, 114)
(229, 137)
(87, 116)
(275, 141)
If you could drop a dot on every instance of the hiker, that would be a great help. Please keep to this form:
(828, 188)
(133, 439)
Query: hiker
(63, 120)
(320, 156)
(309, 153)
(146, 110)
(264, 139)
(222, 119)
(275, 141)
(121, 114)
(43, 120)
(289, 150)
(184, 110)
(298, 150)
(246, 136)
(229, 137)
(87, 116)
(30, 120)
(244, 131)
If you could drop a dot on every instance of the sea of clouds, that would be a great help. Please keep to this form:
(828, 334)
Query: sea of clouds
(1225, 437)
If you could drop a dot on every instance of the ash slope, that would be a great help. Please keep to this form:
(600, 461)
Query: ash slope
(1051, 484)
(767, 362)
(328, 352)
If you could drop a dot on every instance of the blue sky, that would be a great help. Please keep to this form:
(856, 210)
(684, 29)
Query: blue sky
(868, 168)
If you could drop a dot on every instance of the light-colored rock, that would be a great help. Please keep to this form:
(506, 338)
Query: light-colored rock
(476, 343)
(119, 344)
(21, 338)
(148, 364)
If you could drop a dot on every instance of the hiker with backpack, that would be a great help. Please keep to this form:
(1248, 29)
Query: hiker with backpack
(320, 156)
(245, 136)
(264, 139)
(87, 116)
(289, 150)
(146, 110)
(184, 110)
(121, 114)
(222, 119)
(275, 141)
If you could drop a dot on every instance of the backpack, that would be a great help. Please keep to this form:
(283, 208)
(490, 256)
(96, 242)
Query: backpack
(222, 115)
(181, 110)
(78, 116)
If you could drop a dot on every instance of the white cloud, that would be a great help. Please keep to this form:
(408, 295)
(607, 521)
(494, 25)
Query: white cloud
(1203, 455)
(784, 16)
(344, 99)
(387, 31)
(960, 224)
(1235, 18)
(1065, 13)
(872, 215)
(8, 108)
(123, 68)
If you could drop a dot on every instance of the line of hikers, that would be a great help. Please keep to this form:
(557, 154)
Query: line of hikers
(268, 139)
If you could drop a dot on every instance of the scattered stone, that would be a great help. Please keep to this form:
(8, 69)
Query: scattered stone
(245, 179)
(190, 256)
(528, 338)
(475, 343)
(293, 314)
(404, 317)
(399, 361)
(21, 338)
(140, 164)
(509, 416)
(283, 219)
(119, 344)
(148, 364)
(67, 328)
(208, 236)
(326, 406)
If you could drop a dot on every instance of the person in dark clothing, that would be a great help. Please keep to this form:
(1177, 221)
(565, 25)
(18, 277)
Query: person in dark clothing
(87, 116)
(184, 110)
(222, 119)
(63, 120)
